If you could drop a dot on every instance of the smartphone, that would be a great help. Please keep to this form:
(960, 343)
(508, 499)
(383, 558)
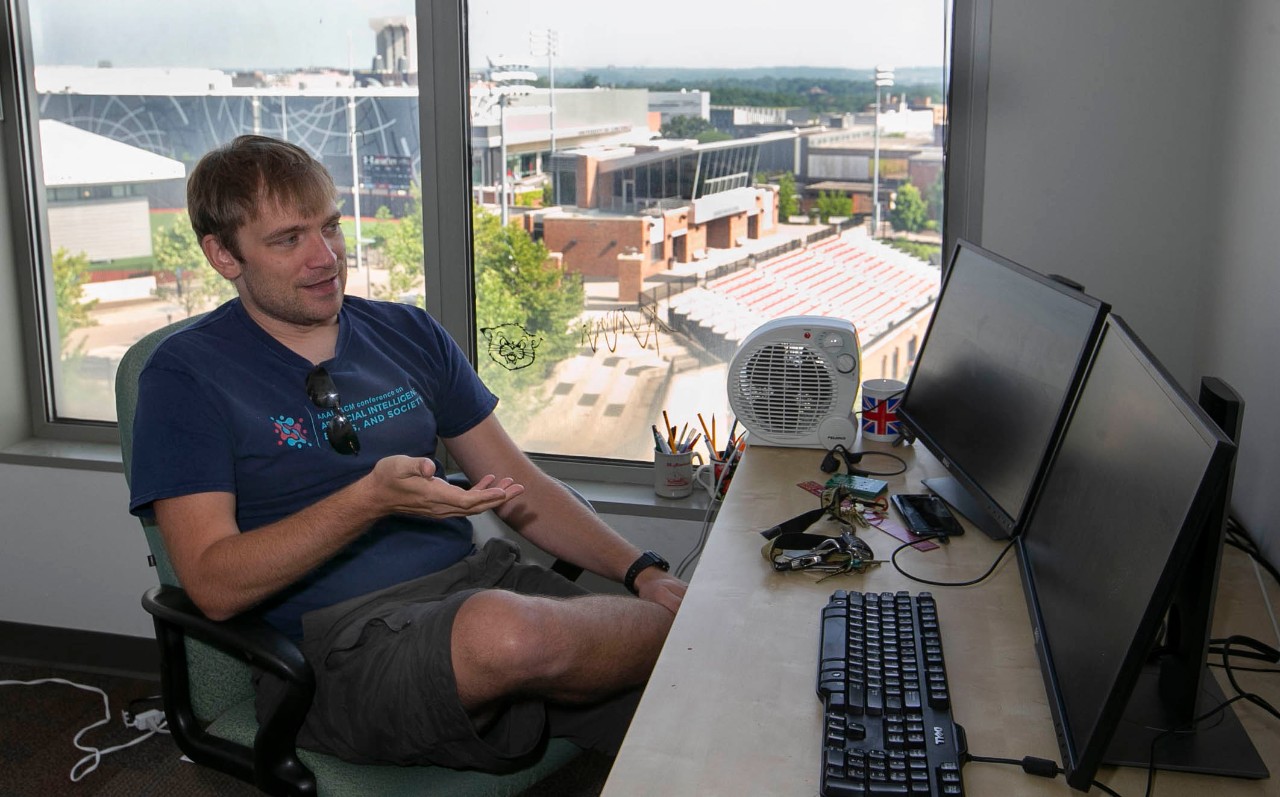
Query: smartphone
(926, 514)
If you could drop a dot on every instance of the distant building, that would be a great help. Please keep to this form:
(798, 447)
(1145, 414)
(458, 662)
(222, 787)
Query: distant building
(629, 212)
(670, 104)
(395, 59)
(96, 192)
(583, 118)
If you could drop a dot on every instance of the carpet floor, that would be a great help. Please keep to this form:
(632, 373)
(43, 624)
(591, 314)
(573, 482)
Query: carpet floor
(38, 724)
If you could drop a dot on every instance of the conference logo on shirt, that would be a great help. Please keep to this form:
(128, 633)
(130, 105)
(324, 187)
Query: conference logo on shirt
(363, 414)
(291, 432)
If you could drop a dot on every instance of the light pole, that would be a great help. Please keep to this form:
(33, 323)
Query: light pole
(884, 79)
(508, 82)
(355, 186)
(547, 43)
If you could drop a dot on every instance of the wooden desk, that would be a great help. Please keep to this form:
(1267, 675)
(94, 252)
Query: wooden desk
(731, 709)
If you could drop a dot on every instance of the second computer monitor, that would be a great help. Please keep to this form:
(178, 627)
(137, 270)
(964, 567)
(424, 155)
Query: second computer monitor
(994, 380)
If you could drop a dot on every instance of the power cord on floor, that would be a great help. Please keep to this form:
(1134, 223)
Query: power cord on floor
(152, 721)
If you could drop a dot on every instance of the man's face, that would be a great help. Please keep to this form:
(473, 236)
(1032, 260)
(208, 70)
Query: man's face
(293, 266)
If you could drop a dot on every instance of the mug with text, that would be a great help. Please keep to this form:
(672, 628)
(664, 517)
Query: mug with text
(673, 473)
(880, 399)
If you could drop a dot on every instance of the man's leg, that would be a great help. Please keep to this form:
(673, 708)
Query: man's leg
(570, 650)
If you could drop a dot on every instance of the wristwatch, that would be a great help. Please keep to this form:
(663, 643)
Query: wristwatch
(647, 559)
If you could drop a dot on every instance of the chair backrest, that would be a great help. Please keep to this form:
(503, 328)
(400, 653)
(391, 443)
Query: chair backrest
(218, 681)
(126, 401)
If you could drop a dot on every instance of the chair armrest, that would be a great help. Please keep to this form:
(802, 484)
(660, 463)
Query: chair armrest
(272, 764)
(248, 638)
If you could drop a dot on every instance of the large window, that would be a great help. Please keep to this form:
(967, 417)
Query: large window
(629, 197)
(124, 98)
(680, 188)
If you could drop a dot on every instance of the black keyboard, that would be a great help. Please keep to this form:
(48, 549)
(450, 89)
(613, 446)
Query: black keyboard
(887, 724)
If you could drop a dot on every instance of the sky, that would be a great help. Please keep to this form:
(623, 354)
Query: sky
(241, 34)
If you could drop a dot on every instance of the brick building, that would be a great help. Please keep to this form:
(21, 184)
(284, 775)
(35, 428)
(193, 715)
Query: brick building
(628, 212)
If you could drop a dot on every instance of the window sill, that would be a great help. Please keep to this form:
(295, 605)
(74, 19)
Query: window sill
(608, 498)
(68, 454)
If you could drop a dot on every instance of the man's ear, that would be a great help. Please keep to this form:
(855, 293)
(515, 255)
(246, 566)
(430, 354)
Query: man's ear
(220, 257)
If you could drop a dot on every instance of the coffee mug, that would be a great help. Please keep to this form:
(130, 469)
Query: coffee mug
(711, 476)
(880, 399)
(673, 473)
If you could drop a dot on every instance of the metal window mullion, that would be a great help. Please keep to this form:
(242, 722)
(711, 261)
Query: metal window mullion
(443, 108)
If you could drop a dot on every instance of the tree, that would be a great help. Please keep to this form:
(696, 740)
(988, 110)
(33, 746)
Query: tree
(69, 275)
(833, 204)
(909, 212)
(788, 202)
(936, 197)
(402, 249)
(525, 309)
(195, 283)
(694, 127)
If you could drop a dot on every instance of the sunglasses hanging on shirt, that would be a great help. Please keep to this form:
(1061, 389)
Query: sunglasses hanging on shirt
(338, 429)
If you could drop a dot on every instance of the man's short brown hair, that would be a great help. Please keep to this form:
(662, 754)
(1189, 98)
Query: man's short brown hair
(230, 184)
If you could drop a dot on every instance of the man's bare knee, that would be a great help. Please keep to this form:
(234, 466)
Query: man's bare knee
(501, 642)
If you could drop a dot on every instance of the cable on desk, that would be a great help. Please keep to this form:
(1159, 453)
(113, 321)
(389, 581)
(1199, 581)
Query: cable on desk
(852, 458)
(1238, 537)
(1040, 767)
(1191, 726)
(893, 558)
(729, 465)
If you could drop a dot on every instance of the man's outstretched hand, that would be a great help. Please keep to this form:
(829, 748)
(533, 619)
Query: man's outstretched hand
(409, 485)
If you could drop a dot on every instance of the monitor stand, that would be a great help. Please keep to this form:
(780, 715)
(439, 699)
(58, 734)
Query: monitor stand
(1219, 747)
(949, 490)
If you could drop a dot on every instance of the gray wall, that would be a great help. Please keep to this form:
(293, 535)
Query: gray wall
(1133, 147)
(1244, 268)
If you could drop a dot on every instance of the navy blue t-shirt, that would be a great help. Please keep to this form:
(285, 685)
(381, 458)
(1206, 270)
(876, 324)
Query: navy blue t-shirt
(223, 407)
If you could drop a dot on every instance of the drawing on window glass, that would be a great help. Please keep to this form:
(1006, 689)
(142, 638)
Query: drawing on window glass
(511, 346)
(620, 322)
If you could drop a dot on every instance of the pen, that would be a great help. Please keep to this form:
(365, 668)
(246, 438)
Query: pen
(659, 444)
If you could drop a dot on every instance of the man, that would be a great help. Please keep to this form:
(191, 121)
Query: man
(286, 444)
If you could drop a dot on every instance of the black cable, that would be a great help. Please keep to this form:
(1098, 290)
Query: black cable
(1266, 670)
(1191, 726)
(893, 559)
(851, 460)
(1230, 671)
(878, 474)
(1238, 537)
(1032, 765)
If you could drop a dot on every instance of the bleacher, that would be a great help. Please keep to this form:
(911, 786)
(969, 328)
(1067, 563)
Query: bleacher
(851, 276)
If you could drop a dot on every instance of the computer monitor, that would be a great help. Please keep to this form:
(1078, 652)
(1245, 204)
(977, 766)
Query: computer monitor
(1136, 483)
(993, 381)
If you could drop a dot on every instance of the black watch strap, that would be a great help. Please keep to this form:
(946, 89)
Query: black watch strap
(647, 559)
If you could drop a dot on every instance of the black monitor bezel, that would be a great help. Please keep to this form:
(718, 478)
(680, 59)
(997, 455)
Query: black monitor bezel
(1080, 766)
(1005, 524)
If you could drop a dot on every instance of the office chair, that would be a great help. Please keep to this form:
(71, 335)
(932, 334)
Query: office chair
(209, 698)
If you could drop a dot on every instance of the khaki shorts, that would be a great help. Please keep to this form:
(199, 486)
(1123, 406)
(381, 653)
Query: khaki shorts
(385, 691)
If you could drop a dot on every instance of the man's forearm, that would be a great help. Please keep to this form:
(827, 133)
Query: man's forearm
(226, 571)
(237, 571)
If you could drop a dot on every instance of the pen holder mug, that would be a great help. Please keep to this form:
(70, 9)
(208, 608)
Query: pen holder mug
(712, 475)
(673, 473)
(880, 399)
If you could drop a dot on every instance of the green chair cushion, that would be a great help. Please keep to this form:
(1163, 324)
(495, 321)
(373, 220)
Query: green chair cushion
(338, 778)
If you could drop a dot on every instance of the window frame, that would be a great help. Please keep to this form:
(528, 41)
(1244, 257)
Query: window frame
(444, 106)
(28, 207)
